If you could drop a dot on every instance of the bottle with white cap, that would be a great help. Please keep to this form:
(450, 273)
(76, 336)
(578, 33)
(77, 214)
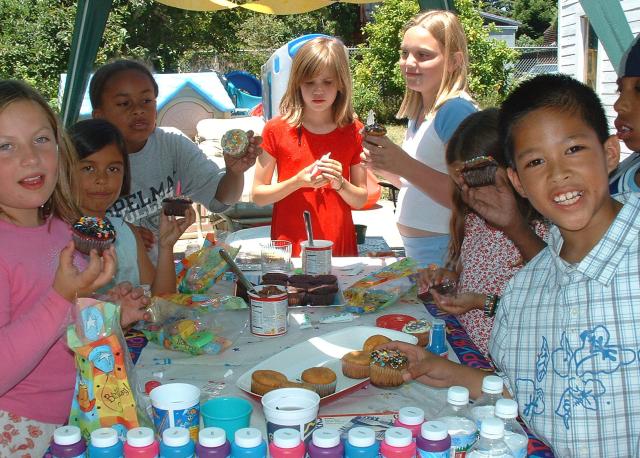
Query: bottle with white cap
(68, 443)
(141, 443)
(491, 442)
(434, 440)
(105, 444)
(325, 443)
(514, 435)
(177, 443)
(248, 443)
(461, 427)
(485, 405)
(398, 443)
(287, 443)
(213, 443)
(410, 418)
(361, 443)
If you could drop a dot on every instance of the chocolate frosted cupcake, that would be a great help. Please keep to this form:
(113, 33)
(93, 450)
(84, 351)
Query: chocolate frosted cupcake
(322, 294)
(296, 296)
(296, 280)
(480, 171)
(386, 368)
(176, 206)
(275, 278)
(326, 279)
(91, 232)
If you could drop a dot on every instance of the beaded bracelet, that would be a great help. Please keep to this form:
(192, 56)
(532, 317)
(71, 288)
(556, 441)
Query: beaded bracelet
(341, 184)
(490, 304)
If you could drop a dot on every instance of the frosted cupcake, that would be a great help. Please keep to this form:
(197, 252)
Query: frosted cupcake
(420, 329)
(91, 232)
(234, 142)
(386, 368)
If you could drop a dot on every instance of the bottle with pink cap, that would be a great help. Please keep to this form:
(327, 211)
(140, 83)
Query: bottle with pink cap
(141, 443)
(287, 443)
(410, 418)
(213, 443)
(398, 443)
(325, 443)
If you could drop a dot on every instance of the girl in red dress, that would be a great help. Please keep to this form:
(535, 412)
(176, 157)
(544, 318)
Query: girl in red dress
(317, 118)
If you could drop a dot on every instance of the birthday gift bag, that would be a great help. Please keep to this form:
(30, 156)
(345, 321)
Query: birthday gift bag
(103, 396)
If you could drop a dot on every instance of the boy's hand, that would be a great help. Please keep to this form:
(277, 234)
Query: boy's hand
(71, 283)
(458, 304)
(171, 228)
(146, 235)
(133, 303)
(496, 204)
(424, 366)
(239, 165)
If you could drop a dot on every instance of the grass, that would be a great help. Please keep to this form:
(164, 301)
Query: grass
(396, 132)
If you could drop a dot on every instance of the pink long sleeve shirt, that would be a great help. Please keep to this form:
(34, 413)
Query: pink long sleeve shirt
(36, 366)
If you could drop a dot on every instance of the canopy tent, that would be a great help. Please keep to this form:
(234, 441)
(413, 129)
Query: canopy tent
(606, 17)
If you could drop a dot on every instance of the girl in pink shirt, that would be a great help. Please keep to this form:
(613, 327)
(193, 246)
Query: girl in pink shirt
(40, 272)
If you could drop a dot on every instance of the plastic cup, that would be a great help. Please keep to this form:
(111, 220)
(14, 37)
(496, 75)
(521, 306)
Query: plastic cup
(275, 256)
(176, 404)
(295, 408)
(228, 413)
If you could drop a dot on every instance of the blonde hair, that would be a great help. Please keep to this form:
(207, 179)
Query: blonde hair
(62, 202)
(314, 57)
(447, 30)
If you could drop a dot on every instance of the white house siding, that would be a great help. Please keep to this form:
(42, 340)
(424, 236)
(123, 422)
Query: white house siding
(571, 56)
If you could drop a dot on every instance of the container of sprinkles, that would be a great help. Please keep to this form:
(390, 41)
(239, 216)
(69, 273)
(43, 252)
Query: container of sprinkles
(91, 232)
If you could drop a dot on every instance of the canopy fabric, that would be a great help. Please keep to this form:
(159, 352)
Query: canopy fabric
(259, 6)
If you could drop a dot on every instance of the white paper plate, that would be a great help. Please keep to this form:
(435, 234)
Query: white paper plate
(326, 351)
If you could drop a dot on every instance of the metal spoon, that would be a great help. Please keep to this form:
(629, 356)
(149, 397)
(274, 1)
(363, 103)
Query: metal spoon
(236, 270)
(307, 224)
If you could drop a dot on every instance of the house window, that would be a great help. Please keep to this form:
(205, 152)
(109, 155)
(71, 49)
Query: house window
(590, 54)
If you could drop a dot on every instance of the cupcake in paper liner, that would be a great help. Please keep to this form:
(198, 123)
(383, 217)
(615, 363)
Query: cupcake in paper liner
(386, 368)
(355, 364)
(234, 142)
(322, 379)
(92, 232)
(176, 206)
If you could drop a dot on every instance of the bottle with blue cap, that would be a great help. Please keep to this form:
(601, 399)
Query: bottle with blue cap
(514, 435)
(484, 407)
(325, 443)
(491, 442)
(361, 443)
(105, 444)
(248, 443)
(213, 443)
(176, 443)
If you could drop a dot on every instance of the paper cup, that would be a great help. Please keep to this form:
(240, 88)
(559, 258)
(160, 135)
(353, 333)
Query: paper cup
(295, 408)
(228, 413)
(176, 404)
(316, 259)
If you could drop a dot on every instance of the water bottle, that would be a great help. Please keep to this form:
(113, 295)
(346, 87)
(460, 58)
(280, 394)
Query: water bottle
(461, 427)
(491, 442)
(325, 443)
(68, 443)
(287, 443)
(398, 443)
(141, 443)
(361, 443)
(485, 405)
(434, 440)
(248, 443)
(437, 340)
(213, 443)
(105, 444)
(176, 443)
(516, 438)
(410, 418)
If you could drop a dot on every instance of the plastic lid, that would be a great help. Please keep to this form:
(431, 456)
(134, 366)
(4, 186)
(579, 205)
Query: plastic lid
(176, 436)
(492, 428)
(506, 408)
(104, 437)
(394, 321)
(434, 430)
(286, 438)
(150, 385)
(325, 437)
(67, 435)
(397, 436)
(140, 437)
(411, 415)
(212, 437)
(361, 436)
(492, 384)
(438, 322)
(248, 437)
(458, 396)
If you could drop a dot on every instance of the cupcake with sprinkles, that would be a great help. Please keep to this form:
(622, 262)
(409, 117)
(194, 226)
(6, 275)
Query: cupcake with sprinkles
(386, 366)
(419, 329)
(234, 142)
(91, 232)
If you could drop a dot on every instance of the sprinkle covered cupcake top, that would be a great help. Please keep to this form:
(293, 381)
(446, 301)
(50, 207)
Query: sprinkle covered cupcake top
(417, 326)
(93, 226)
(391, 358)
(479, 161)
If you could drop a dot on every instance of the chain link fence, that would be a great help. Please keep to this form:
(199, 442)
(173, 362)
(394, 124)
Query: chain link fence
(534, 61)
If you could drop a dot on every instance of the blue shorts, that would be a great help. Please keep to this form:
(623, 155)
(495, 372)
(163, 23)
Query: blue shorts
(427, 250)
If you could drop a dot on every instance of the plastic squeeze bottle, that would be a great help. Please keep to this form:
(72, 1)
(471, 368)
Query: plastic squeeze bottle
(398, 443)
(434, 440)
(485, 405)
(325, 443)
(248, 443)
(176, 443)
(105, 444)
(410, 418)
(141, 443)
(491, 442)
(437, 340)
(287, 443)
(213, 443)
(68, 443)
(361, 443)
(514, 435)
(462, 428)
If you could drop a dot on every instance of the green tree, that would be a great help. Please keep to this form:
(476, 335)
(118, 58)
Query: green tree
(536, 16)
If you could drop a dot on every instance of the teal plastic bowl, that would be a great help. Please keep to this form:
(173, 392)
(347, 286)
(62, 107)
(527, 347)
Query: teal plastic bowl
(228, 413)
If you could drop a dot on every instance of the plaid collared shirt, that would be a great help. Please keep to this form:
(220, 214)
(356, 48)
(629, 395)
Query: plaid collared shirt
(566, 338)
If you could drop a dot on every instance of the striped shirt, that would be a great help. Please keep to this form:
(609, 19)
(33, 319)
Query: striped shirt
(566, 337)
